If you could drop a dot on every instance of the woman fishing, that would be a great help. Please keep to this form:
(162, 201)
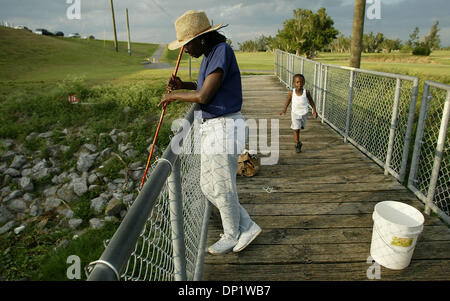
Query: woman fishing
(218, 90)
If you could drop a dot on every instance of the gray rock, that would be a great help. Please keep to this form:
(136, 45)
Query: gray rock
(26, 184)
(85, 161)
(3, 167)
(41, 173)
(75, 223)
(64, 148)
(123, 147)
(18, 162)
(13, 195)
(45, 135)
(96, 223)
(105, 153)
(111, 219)
(106, 195)
(129, 198)
(12, 172)
(39, 164)
(17, 205)
(8, 226)
(5, 215)
(90, 147)
(92, 178)
(8, 156)
(130, 153)
(7, 142)
(31, 136)
(114, 207)
(66, 212)
(98, 204)
(66, 192)
(28, 197)
(26, 172)
(111, 186)
(54, 151)
(137, 174)
(52, 203)
(51, 191)
(35, 210)
(79, 186)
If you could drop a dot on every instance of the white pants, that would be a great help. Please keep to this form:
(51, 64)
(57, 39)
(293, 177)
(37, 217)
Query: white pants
(222, 142)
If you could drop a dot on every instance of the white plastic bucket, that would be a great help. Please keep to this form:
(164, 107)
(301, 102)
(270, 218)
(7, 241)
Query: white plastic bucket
(396, 229)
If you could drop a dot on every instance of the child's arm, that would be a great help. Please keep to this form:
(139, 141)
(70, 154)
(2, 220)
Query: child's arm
(311, 103)
(288, 102)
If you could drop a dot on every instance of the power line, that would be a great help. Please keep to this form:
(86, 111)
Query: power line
(163, 10)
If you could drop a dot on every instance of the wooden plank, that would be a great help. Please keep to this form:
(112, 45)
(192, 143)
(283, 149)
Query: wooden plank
(427, 270)
(319, 253)
(284, 198)
(313, 221)
(331, 236)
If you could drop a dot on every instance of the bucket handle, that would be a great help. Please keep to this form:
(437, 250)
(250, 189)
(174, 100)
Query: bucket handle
(389, 245)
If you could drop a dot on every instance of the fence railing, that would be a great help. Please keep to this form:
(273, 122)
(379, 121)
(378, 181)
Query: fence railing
(429, 178)
(163, 235)
(375, 112)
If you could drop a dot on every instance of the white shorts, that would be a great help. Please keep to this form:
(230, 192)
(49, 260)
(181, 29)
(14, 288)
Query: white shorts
(298, 121)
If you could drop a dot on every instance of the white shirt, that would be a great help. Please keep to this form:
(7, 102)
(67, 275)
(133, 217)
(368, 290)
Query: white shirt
(299, 103)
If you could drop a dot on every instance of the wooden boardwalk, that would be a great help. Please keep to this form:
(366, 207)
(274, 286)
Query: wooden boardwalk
(317, 220)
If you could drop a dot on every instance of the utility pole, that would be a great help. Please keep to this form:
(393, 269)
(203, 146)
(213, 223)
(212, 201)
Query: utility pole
(357, 33)
(114, 26)
(128, 30)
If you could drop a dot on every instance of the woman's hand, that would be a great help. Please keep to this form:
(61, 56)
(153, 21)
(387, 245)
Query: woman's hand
(175, 83)
(283, 112)
(166, 99)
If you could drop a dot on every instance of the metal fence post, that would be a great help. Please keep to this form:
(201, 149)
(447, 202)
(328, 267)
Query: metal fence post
(439, 154)
(349, 106)
(419, 135)
(198, 273)
(315, 83)
(394, 120)
(325, 90)
(176, 221)
(409, 128)
(302, 67)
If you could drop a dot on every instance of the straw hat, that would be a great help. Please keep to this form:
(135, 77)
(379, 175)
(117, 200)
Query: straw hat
(191, 25)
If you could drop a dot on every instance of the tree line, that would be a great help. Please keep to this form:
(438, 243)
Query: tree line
(308, 33)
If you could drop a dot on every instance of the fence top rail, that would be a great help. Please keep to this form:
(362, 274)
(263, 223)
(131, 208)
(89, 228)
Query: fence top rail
(437, 85)
(124, 239)
(379, 73)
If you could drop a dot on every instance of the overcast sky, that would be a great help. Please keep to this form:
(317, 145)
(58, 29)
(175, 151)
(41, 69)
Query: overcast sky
(152, 20)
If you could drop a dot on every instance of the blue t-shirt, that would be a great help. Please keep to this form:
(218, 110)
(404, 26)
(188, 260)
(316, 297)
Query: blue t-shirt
(228, 98)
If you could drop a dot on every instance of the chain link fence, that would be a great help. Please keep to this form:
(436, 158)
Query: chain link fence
(429, 178)
(372, 110)
(375, 112)
(163, 235)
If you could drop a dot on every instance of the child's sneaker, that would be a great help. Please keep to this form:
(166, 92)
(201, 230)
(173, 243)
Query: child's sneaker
(298, 147)
(224, 245)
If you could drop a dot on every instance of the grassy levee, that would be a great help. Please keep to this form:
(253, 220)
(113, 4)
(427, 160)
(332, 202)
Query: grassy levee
(37, 73)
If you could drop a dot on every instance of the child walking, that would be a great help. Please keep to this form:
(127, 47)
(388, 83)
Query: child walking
(299, 113)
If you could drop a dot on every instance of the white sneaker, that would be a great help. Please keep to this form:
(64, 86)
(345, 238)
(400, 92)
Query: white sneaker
(224, 245)
(247, 237)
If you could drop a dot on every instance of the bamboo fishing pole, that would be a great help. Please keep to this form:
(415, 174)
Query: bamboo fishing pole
(160, 120)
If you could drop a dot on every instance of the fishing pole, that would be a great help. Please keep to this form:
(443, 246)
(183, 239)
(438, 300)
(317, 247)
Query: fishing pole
(160, 120)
